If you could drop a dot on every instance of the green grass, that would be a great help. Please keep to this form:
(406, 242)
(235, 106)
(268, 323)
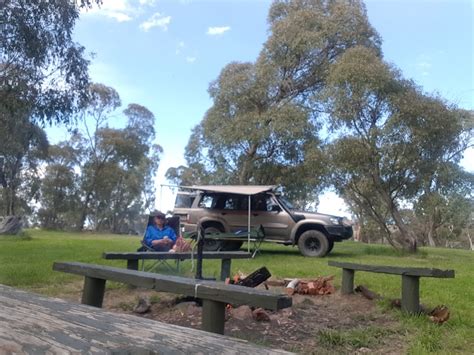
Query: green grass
(355, 338)
(26, 263)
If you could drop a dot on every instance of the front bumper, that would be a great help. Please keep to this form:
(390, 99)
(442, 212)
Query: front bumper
(340, 232)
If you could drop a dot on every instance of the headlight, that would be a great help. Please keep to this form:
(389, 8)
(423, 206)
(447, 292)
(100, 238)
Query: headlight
(334, 220)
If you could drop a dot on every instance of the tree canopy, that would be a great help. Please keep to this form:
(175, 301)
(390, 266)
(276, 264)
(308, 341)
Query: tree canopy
(42, 69)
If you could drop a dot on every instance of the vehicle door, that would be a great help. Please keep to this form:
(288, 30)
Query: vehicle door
(267, 212)
(233, 211)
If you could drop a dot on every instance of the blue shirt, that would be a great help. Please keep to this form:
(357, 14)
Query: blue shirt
(154, 233)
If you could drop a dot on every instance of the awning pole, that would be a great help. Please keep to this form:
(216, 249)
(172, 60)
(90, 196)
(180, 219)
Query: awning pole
(248, 230)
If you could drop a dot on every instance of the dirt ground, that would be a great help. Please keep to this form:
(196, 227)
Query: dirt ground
(329, 324)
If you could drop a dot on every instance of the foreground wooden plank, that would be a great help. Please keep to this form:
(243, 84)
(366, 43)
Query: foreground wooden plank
(33, 324)
(408, 271)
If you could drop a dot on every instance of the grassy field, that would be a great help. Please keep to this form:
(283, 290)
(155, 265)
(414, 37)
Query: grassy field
(26, 263)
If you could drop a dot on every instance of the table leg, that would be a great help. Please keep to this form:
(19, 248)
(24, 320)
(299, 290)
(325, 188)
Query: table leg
(225, 269)
(93, 293)
(213, 316)
(347, 281)
(411, 294)
(132, 264)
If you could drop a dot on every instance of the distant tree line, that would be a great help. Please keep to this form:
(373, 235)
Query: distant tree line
(321, 108)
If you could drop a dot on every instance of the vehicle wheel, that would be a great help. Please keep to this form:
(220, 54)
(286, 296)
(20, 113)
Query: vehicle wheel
(212, 244)
(313, 243)
(232, 245)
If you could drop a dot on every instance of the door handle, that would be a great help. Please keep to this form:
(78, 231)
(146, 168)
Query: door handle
(223, 213)
(254, 214)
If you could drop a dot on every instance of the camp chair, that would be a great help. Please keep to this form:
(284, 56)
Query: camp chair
(257, 235)
(172, 222)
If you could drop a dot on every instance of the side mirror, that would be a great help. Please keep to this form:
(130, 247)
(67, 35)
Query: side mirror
(276, 208)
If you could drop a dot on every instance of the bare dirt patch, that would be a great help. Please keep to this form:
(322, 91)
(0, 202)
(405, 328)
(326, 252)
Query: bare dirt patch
(315, 324)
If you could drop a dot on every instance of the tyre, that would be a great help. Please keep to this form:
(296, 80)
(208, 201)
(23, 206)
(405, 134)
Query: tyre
(213, 244)
(232, 245)
(313, 243)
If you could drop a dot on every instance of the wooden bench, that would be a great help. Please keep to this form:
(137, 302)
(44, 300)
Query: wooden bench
(134, 258)
(33, 324)
(410, 280)
(214, 295)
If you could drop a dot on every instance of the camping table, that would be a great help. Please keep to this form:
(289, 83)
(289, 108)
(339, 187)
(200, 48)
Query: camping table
(133, 258)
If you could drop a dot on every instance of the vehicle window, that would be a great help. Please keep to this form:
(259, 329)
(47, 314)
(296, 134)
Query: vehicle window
(207, 201)
(232, 203)
(286, 203)
(262, 203)
(259, 203)
(184, 200)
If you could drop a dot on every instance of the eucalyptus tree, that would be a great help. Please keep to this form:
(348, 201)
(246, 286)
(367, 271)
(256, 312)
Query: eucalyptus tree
(262, 128)
(102, 101)
(445, 205)
(24, 145)
(390, 138)
(60, 194)
(126, 187)
(40, 62)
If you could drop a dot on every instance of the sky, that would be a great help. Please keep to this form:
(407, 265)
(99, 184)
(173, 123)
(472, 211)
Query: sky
(163, 54)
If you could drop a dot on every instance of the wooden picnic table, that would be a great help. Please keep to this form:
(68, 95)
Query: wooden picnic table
(134, 258)
(34, 324)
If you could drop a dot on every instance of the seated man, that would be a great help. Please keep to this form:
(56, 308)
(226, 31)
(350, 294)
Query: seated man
(159, 236)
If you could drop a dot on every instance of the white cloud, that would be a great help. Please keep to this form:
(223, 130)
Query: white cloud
(119, 16)
(156, 20)
(179, 47)
(215, 31)
(190, 59)
(119, 10)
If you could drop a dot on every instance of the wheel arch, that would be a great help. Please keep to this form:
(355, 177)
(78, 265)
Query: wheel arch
(208, 222)
(306, 227)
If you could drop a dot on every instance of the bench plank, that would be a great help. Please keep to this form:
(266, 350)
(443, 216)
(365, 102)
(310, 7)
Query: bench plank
(212, 290)
(408, 271)
(410, 280)
(149, 255)
(31, 323)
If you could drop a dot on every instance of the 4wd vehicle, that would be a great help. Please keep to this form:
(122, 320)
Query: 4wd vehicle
(225, 209)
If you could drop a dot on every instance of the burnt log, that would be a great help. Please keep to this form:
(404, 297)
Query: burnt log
(255, 278)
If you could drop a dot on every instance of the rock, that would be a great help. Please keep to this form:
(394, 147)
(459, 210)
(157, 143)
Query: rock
(242, 313)
(260, 315)
(143, 306)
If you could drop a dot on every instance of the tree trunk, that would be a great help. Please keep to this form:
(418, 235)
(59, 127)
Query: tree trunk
(10, 225)
(431, 241)
(408, 237)
(85, 210)
(470, 240)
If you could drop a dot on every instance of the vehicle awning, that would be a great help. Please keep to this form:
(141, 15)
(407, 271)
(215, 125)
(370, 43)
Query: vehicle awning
(233, 189)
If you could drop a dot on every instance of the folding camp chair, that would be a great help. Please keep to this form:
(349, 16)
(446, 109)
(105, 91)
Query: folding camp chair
(172, 222)
(257, 235)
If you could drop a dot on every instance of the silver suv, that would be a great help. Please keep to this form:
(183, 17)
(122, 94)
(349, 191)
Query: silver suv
(225, 209)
